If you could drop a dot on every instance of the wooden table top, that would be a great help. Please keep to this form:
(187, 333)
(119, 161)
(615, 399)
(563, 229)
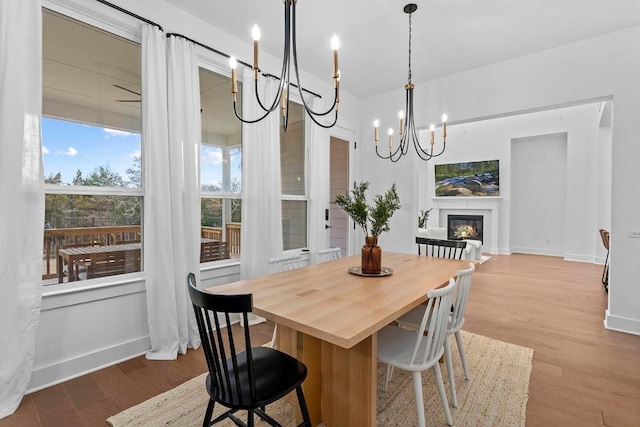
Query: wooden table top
(81, 250)
(327, 302)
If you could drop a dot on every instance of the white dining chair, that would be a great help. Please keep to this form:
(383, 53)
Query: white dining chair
(278, 265)
(412, 319)
(419, 350)
(285, 263)
(331, 254)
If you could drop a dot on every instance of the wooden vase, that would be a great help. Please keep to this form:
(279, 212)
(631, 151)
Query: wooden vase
(371, 262)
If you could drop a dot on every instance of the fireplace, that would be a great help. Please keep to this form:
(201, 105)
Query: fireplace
(464, 227)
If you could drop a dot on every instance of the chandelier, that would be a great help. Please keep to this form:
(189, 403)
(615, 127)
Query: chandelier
(282, 97)
(407, 129)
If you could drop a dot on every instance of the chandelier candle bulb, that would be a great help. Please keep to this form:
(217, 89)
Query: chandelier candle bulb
(390, 139)
(400, 117)
(444, 126)
(432, 128)
(376, 124)
(335, 44)
(255, 33)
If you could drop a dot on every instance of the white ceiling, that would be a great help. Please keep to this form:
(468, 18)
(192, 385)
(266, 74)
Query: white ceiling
(449, 36)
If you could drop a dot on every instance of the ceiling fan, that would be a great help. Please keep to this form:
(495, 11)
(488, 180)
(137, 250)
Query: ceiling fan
(130, 91)
(134, 92)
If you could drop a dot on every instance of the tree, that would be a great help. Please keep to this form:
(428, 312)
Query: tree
(135, 173)
(78, 178)
(103, 176)
(54, 178)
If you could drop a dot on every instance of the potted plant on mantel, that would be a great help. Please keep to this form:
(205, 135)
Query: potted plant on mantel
(422, 222)
(372, 219)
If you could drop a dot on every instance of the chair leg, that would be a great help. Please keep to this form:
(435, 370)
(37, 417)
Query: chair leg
(306, 419)
(443, 395)
(387, 376)
(452, 381)
(274, 340)
(605, 270)
(207, 415)
(462, 358)
(417, 390)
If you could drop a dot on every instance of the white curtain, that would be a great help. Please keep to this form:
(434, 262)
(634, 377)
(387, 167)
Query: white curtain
(184, 163)
(22, 192)
(169, 243)
(319, 149)
(261, 190)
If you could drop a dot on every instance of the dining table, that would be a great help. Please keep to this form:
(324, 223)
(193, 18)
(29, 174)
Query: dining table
(328, 316)
(75, 256)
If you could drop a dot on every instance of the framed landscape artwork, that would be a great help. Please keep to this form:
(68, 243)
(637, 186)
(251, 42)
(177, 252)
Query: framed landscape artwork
(468, 179)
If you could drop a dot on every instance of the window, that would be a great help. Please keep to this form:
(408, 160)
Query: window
(221, 169)
(91, 152)
(293, 176)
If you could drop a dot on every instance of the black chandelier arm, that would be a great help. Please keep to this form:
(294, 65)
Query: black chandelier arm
(326, 126)
(295, 67)
(397, 154)
(235, 111)
(284, 77)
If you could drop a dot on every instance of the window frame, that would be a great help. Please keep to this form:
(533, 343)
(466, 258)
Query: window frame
(294, 96)
(216, 64)
(128, 28)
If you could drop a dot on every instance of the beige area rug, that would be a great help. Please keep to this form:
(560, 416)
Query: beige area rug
(496, 395)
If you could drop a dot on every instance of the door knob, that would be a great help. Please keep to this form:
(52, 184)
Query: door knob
(326, 226)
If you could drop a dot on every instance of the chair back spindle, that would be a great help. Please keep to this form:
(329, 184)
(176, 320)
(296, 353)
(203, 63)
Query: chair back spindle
(434, 322)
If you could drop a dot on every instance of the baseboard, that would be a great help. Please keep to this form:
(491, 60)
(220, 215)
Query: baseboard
(48, 376)
(579, 258)
(537, 251)
(621, 324)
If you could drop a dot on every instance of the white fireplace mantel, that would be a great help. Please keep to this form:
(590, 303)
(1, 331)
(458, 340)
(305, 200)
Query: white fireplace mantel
(454, 204)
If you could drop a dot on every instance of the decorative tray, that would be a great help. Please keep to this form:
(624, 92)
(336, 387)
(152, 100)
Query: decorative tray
(385, 271)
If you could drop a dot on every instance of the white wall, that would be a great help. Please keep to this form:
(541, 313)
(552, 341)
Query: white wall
(538, 184)
(605, 67)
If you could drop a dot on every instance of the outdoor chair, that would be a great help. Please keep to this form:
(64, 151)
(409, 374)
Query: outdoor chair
(251, 379)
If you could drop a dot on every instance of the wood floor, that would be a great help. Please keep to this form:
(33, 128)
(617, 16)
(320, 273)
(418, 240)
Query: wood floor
(583, 375)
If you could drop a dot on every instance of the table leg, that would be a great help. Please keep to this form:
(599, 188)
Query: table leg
(349, 384)
(59, 267)
(340, 388)
(306, 349)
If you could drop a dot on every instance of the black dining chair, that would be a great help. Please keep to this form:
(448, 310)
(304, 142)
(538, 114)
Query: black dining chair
(251, 379)
(452, 249)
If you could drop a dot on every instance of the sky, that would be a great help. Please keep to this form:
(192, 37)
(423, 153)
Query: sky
(69, 146)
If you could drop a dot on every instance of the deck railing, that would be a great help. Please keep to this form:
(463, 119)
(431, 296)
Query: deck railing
(59, 238)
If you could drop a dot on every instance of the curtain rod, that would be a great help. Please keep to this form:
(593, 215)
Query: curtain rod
(118, 8)
(241, 62)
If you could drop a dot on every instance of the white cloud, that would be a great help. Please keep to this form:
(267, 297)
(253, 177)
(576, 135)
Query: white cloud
(45, 150)
(115, 132)
(135, 154)
(70, 152)
(211, 156)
